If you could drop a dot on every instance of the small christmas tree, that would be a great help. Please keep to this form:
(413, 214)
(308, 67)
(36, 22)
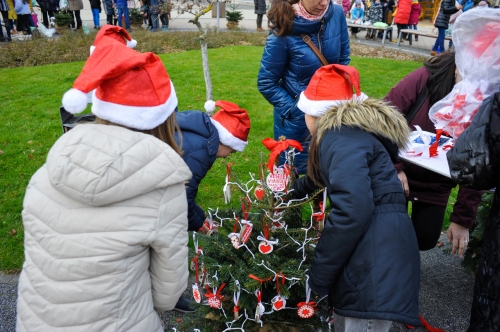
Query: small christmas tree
(252, 271)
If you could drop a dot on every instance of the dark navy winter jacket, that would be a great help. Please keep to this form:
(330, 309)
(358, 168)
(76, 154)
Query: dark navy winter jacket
(200, 143)
(288, 64)
(367, 258)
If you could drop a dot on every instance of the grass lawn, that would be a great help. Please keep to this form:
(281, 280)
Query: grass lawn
(31, 97)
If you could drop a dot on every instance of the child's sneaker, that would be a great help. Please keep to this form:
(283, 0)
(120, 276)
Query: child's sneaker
(164, 28)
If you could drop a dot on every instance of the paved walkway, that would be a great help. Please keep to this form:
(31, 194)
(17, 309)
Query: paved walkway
(445, 295)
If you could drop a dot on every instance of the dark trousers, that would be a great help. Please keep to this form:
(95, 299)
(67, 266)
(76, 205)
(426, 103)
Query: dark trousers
(164, 20)
(76, 14)
(439, 40)
(428, 222)
(259, 20)
(46, 15)
(23, 23)
(5, 18)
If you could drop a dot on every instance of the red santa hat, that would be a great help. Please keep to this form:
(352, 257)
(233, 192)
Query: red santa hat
(232, 123)
(330, 86)
(132, 89)
(114, 32)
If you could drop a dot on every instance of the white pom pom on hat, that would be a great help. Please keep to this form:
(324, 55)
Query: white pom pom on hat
(319, 96)
(131, 89)
(75, 101)
(210, 107)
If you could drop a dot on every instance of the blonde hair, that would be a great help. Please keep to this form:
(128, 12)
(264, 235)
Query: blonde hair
(164, 132)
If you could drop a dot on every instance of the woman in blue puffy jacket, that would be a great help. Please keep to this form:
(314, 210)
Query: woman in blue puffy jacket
(288, 63)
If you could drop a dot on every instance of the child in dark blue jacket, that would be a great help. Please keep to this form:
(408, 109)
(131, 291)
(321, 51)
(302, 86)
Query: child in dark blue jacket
(206, 138)
(367, 257)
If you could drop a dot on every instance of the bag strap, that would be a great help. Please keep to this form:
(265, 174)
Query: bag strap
(313, 47)
(417, 105)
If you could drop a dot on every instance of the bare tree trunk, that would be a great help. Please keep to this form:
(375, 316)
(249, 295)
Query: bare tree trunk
(204, 51)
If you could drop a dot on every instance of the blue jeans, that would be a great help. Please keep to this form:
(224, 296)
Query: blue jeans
(95, 14)
(439, 41)
(123, 10)
(414, 26)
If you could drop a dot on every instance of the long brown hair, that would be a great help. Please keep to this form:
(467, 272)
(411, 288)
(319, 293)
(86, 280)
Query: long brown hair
(164, 132)
(441, 76)
(313, 169)
(280, 17)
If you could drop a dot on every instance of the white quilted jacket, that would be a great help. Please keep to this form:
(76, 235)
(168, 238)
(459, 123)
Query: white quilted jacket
(105, 234)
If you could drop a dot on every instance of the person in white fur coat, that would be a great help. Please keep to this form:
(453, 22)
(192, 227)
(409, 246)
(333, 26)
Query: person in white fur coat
(105, 217)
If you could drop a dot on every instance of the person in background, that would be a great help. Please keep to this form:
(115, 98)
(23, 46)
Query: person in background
(345, 5)
(4, 10)
(165, 8)
(375, 14)
(416, 9)
(402, 16)
(75, 6)
(260, 10)
(95, 5)
(288, 63)
(357, 17)
(48, 8)
(429, 191)
(23, 12)
(110, 12)
(474, 162)
(367, 259)
(441, 22)
(122, 7)
(12, 16)
(106, 224)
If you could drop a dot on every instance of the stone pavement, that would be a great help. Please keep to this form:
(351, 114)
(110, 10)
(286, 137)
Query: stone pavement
(445, 295)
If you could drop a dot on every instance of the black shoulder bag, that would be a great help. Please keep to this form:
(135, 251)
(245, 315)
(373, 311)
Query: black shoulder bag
(417, 105)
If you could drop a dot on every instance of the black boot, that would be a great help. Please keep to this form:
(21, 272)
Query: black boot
(183, 305)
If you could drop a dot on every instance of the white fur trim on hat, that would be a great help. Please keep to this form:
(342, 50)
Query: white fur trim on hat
(131, 43)
(226, 138)
(318, 108)
(210, 106)
(138, 117)
(74, 101)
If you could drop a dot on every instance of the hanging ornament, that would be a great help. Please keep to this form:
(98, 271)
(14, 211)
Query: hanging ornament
(235, 239)
(265, 247)
(259, 192)
(306, 309)
(196, 293)
(277, 180)
(215, 299)
(319, 216)
(236, 300)
(211, 225)
(246, 231)
(260, 309)
(279, 301)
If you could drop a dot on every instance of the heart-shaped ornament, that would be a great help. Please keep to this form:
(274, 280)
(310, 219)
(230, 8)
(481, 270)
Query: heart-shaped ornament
(196, 293)
(278, 303)
(259, 192)
(265, 247)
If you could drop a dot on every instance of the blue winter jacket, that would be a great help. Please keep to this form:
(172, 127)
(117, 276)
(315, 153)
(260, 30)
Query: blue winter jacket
(200, 143)
(288, 64)
(357, 13)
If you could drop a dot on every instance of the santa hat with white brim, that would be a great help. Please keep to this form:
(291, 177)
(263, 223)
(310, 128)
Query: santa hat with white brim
(131, 89)
(232, 123)
(114, 32)
(331, 85)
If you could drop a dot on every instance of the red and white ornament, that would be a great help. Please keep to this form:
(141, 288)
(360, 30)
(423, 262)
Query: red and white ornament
(265, 247)
(259, 192)
(246, 231)
(306, 310)
(277, 180)
(235, 239)
(196, 293)
(278, 302)
(214, 302)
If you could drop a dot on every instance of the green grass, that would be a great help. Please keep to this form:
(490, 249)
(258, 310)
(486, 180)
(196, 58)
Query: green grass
(31, 97)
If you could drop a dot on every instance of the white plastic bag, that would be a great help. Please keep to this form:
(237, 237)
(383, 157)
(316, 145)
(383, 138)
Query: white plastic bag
(476, 36)
(63, 4)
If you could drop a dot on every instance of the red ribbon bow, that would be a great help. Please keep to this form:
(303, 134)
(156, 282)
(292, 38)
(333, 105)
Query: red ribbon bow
(277, 147)
(217, 294)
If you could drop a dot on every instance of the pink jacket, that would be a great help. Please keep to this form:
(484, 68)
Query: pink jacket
(416, 9)
(345, 5)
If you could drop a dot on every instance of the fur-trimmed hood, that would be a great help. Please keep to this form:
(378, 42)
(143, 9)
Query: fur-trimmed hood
(372, 115)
